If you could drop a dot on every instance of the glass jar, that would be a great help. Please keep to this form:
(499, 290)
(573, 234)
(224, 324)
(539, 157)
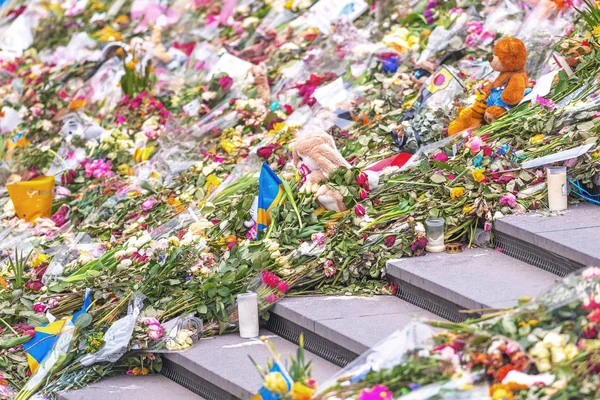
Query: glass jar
(435, 235)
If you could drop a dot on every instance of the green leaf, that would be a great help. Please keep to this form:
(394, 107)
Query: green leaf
(82, 321)
(202, 309)
(438, 178)
(224, 291)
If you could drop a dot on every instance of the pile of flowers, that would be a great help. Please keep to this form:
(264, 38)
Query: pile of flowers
(156, 122)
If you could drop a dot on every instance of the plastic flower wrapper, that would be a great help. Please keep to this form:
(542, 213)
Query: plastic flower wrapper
(118, 335)
(540, 32)
(67, 253)
(441, 37)
(180, 221)
(59, 357)
(504, 17)
(179, 334)
(390, 352)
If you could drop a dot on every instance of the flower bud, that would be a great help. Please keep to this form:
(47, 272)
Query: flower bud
(359, 210)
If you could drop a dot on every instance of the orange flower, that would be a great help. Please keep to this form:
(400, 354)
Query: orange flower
(77, 104)
(3, 282)
(140, 371)
(231, 239)
(173, 201)
(503, 371)
(179, 209)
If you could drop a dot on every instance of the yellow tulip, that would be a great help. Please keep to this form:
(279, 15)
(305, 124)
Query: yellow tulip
(275, 382)
(142, 153)
(228, 146)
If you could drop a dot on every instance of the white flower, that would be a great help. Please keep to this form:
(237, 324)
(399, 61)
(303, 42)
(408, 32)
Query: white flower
(419, 229)
(207, 96)
(553, 339)
(126, 263)
(142, 240)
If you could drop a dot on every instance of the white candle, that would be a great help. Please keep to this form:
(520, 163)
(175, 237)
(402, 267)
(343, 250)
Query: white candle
(435, 235)
(556, 178)
(248, 314)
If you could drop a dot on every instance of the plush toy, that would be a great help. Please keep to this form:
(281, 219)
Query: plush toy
(509, 88)
(315, 151)
(261, 81)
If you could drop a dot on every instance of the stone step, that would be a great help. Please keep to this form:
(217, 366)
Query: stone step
(339, 328)
(475, 279)
(560, 242)
(123, 387)
(220, 367)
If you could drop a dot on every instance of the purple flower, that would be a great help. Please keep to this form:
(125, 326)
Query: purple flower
(377, 392)
(508, 199)
(545, 103)
(148, 204)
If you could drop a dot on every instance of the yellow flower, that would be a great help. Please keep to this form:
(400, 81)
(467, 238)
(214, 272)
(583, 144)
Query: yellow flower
(228, 145)
(288, 4)
(596, 154)
(539, 138)
(212, 181)
(133, 193)
(130, 65)
(500, 392)
(278, 127)
(38, 260)
(301, 392)
(467, 209)
(122, 19)
(109, 34)
(478, 174)
(142, 153)
(457, 192)
(597, 30)
(125, 169)
(275, 382)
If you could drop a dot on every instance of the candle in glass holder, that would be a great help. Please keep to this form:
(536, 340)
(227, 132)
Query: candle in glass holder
(556, 178)
(435, 235)
(248, 314)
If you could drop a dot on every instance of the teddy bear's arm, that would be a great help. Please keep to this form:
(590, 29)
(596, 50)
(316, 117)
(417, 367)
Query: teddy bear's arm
(515, 90)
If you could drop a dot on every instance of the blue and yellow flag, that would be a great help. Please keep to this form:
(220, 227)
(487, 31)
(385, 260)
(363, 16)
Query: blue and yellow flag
(45, 336)
(270, 192)
(279, 378)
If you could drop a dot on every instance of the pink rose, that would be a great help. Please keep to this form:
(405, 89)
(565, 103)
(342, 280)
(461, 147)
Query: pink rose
(40, 308)
(442, 157)
(148, 204)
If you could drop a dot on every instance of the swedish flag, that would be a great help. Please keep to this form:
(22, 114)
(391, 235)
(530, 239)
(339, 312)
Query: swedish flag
(45, 336)
(278, 373)
(270, 192)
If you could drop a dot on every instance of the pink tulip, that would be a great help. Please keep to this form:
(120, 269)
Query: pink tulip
(363, 194)
(359, 211)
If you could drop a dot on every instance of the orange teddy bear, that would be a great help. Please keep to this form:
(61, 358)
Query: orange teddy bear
(509, 88)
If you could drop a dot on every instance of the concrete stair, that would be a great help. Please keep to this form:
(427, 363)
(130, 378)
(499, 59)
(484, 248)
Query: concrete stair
(560, 243)
(123, 387)
(532, 252)
(476, 279)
